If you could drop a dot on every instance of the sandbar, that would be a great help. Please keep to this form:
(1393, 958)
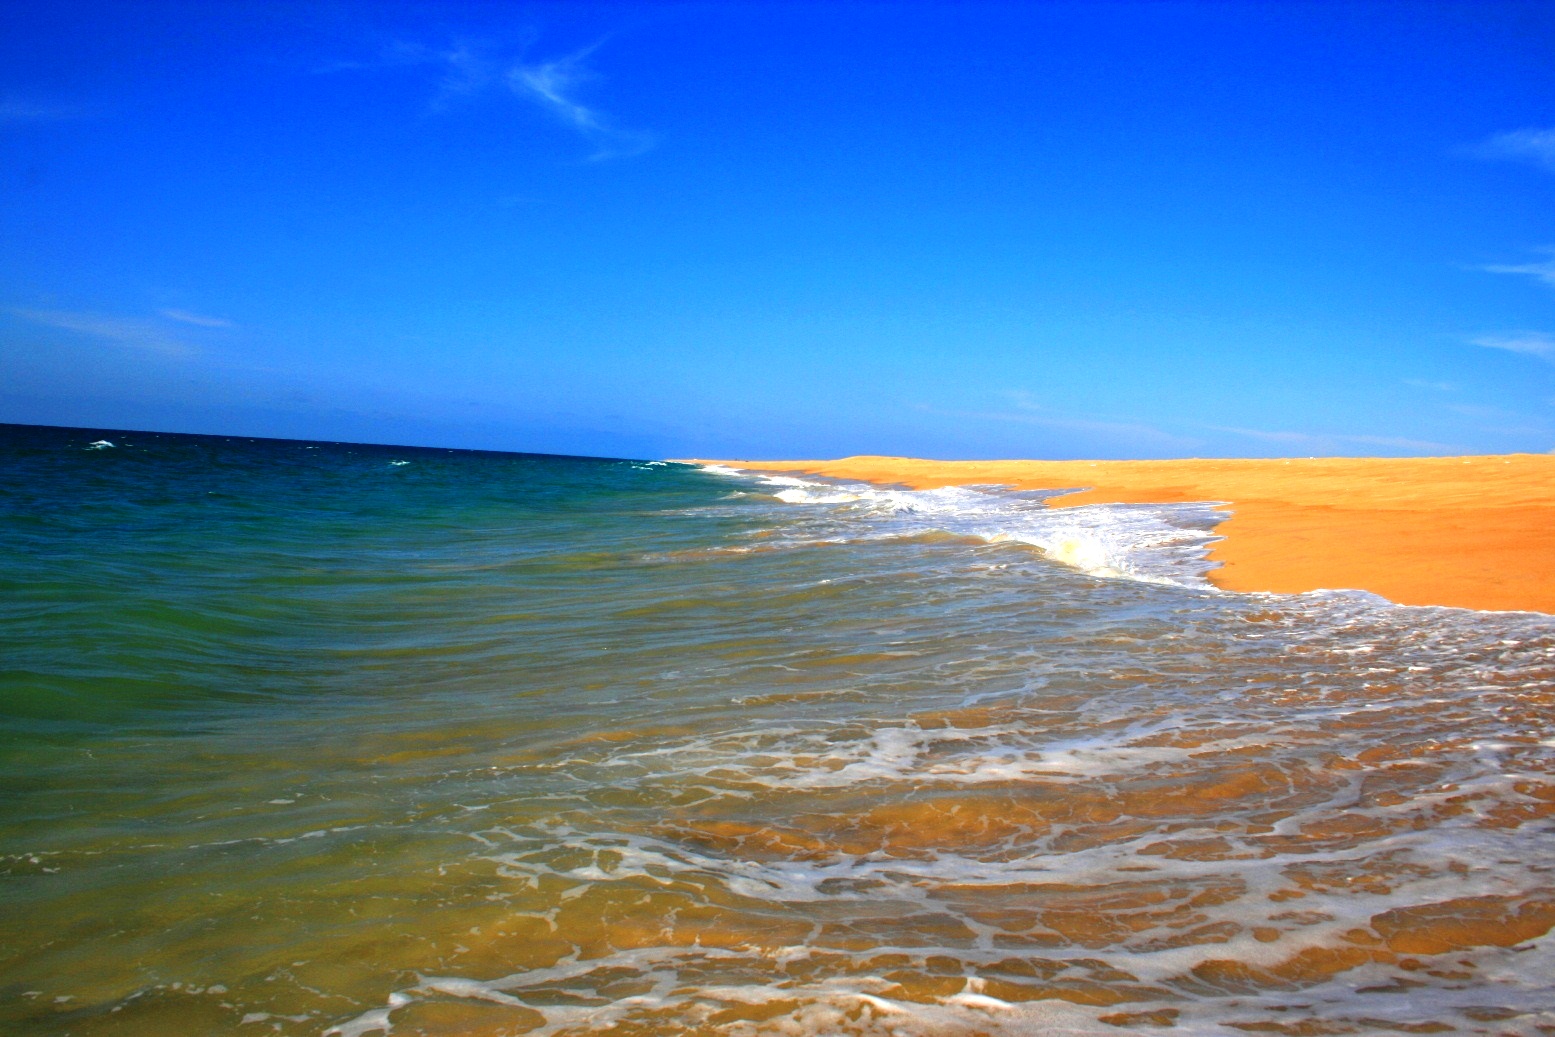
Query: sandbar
(1467, 532)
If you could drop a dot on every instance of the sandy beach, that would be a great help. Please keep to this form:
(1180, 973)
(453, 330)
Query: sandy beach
(1470, 532)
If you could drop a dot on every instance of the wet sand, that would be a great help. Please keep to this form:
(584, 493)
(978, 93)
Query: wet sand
(1469, 532)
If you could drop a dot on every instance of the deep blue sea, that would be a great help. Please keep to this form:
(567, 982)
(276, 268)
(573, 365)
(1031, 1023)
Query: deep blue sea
(330, 739)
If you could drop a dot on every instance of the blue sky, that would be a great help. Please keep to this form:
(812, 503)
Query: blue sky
(785, 230)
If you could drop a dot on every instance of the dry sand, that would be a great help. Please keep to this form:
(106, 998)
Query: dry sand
(1470, 532)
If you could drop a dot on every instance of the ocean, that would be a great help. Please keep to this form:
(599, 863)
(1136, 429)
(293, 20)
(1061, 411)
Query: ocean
(327, 739)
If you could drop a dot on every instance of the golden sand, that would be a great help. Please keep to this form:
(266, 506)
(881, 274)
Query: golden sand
(1471, 532)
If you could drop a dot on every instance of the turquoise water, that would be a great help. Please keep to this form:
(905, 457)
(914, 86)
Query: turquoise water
(310, 738)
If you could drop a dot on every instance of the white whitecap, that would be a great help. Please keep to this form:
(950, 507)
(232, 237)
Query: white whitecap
(1152, 543)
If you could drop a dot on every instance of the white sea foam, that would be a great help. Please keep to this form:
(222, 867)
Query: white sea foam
(1160, 543)
(1307, 849)
(1425, 848)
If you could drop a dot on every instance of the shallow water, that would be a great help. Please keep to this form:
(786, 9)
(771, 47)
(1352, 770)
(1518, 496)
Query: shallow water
(301, 740)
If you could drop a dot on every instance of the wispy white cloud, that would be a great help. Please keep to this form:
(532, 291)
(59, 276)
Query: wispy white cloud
(199, 320)
(1529, 343)
(16, 109)
(1530, 145)
(550, 84)
(139, 334)
(463, 69)
(466, 71)
(1544, 271)
(553, 85)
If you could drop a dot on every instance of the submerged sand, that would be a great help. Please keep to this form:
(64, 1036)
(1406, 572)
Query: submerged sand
(1469, 532)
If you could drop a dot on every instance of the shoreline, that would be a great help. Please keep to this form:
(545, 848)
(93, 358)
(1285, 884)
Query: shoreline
(1463, 532)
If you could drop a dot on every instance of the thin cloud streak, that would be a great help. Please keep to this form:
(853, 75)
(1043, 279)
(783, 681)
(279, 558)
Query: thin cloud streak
(465, 71)
(1528, 343)
(468, 71)
(552, 86)
(1530, 145)
(465, 74)
(1542, 272)
(15, 109)
(129, 332)
(199, 320)
(550, 83)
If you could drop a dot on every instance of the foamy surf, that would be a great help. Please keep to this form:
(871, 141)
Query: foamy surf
(1247, 834)
(1163, 543)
